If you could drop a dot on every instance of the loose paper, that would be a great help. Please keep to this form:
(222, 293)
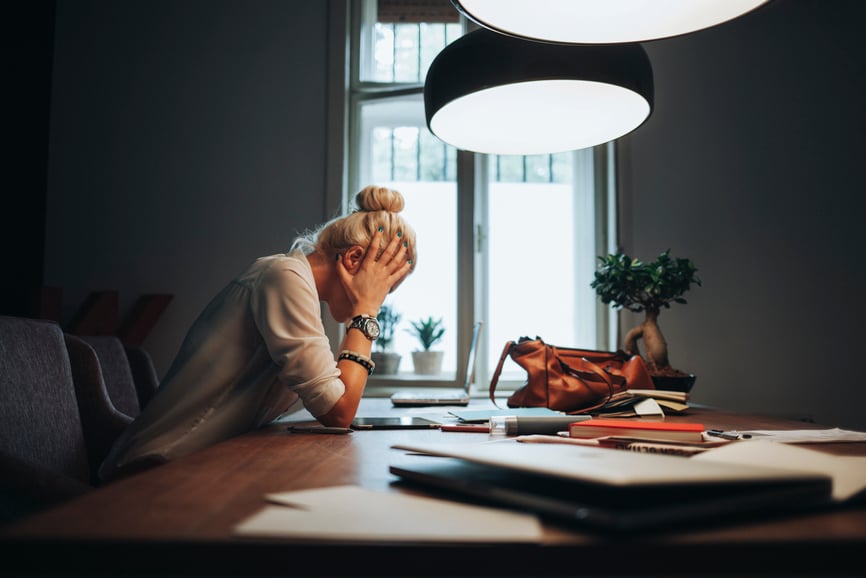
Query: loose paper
(848, 472)
(355, 514)
(804, 436)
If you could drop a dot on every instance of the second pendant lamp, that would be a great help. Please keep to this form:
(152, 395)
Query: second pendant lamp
(496, 94)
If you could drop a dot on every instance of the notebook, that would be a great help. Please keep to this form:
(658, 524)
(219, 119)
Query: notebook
(606, 489)
(421, 398)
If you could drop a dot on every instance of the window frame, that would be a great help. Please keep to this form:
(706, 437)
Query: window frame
(346, 94)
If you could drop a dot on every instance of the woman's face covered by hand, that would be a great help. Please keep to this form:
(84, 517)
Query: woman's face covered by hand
(368, 274)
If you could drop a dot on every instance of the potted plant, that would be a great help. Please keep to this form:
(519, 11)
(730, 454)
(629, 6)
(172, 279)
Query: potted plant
(628, 283)
(387, 361)
(429, 332)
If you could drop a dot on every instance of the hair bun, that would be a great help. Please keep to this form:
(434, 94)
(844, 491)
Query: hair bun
(375, 198)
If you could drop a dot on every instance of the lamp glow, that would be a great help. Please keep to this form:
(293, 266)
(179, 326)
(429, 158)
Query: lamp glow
(495, 94)
(602, 21)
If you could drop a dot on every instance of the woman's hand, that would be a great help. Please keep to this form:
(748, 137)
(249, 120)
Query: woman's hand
(376, 275)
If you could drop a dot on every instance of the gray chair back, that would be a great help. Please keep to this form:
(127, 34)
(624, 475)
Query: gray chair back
(102, 421)
(43, 454)
(116, 372)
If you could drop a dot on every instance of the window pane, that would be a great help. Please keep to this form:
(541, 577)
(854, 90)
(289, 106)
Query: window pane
(407, 53)
(431, 209)
(383, 53)
(538, 169)
(531, 250)
(398, 151)
(403, 52)
(406, 153)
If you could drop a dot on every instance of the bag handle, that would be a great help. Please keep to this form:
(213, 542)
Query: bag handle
(605, 376)
(495, 379)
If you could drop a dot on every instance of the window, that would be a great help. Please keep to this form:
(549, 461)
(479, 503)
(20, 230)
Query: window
(509, 240)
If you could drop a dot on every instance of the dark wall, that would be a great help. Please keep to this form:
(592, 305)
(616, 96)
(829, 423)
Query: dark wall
(187, 139)
(27, 67)
(752, 166)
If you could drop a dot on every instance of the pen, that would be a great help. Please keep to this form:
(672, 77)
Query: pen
(727, 435)
(466, 428)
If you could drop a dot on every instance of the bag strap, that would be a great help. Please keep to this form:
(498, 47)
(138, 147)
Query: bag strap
(495, 379)
(605, 376)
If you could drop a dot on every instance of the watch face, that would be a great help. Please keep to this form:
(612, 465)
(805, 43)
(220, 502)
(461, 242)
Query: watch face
(371, 328)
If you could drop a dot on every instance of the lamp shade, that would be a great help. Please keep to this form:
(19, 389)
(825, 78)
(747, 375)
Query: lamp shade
(602, 21)
(490, 93)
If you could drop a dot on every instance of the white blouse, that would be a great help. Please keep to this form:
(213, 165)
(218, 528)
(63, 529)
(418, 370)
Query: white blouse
(257, 348)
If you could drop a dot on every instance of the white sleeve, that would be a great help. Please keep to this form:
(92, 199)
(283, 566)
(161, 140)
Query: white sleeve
(287, 312)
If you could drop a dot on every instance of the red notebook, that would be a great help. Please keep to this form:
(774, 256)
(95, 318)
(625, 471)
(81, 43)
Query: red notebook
(659, 430)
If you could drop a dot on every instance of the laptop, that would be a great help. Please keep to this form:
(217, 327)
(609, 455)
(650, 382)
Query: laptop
(604, 489)
(432, 397)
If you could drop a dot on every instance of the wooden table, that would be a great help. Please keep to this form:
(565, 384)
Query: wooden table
(177, 519)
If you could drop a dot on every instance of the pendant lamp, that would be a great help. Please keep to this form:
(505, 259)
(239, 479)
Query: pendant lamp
(602, 21)
(490, 93)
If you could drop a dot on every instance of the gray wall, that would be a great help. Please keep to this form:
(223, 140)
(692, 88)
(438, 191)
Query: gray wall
(187, 138)
(752, 166)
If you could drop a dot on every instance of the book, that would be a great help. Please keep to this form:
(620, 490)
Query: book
(596, 428)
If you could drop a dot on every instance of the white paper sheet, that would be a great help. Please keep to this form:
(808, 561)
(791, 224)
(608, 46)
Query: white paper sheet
(352, 513)
(805, 436)
(848, 472)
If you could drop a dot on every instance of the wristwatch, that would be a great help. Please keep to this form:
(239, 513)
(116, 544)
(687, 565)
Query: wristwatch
(368, 325)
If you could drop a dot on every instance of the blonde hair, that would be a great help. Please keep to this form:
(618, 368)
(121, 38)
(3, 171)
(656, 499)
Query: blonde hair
(375, 207)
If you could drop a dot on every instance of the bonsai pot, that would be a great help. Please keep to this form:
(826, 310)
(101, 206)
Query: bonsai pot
(683, 382)
(427, 362)
(387, 362)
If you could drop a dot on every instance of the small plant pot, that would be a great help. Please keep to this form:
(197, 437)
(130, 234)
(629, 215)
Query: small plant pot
(427, 362)
(387, 363)
(683, 383)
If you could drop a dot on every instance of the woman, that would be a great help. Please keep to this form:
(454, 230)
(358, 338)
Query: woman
(260, 345)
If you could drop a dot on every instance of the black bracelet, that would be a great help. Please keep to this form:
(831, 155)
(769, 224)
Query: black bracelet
(365, 362)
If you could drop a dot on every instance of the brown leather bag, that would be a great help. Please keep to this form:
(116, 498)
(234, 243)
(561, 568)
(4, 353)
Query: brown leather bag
(569, 379)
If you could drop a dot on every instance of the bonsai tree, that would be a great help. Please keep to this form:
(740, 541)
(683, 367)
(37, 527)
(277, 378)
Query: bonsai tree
(628, 283)
(388, 318)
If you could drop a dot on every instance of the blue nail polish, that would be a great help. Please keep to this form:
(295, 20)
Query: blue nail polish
(399, 233)
(381, 229)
